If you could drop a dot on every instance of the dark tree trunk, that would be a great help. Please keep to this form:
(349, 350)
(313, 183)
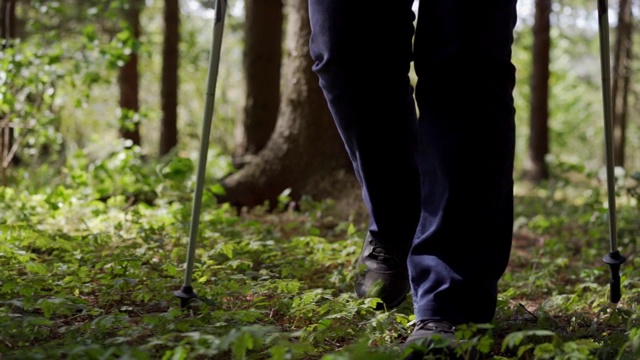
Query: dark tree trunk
(621, 78)
(262, 60)
(7, 33)
(7, 20)
(129, 77)
(537, 169)
(305, 151)
(169, 129)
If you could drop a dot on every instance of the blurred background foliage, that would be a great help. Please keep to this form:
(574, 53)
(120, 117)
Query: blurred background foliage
(58, 80)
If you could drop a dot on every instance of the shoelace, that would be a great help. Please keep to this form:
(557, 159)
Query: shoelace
(378, 253)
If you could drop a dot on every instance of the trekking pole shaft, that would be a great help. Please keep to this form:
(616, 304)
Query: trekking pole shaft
(603, 18)
(212, 77)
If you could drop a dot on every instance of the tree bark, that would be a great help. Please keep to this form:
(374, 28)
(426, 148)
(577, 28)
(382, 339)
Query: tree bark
(305, 150)
(536, 167)
(621, 78)
(261, 61)
(7, 33)
(7, 20)
(169, 127)
(128, 78)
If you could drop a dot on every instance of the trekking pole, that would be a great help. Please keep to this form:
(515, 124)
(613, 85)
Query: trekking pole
(613, 258)
(186, 292)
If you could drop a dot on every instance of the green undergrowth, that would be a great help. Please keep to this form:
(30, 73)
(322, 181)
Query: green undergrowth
(91, 253)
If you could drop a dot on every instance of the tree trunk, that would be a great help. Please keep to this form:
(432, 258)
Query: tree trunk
(129, 77)
(621, 79)
(537, 169)
(305, 151)
(169, 128)
(7, 33)
(262, 60)
(7, 20)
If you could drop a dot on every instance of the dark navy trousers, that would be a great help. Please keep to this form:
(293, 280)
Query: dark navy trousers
(437, 178)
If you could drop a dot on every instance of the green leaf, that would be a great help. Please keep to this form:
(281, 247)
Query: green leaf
(89, 32)
(225, 248)
(278, 352)
(179, 353)
(241, 344)
(514, 339)
(178, 169)
(217, 189)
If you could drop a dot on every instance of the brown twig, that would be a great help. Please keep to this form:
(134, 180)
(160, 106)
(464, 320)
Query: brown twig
(527, 311)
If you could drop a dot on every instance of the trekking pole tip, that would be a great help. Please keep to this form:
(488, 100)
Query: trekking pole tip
(614, 260)
(185, 294)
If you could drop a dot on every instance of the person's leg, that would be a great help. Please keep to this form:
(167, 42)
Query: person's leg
(466, 151)
(362, 52)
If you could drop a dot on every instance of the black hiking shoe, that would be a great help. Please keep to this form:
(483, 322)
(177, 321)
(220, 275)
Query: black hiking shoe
(382, 274)
(437, 340)
(433, 338)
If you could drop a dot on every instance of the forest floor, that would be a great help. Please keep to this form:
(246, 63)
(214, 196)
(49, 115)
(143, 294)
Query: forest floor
(89, 262)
